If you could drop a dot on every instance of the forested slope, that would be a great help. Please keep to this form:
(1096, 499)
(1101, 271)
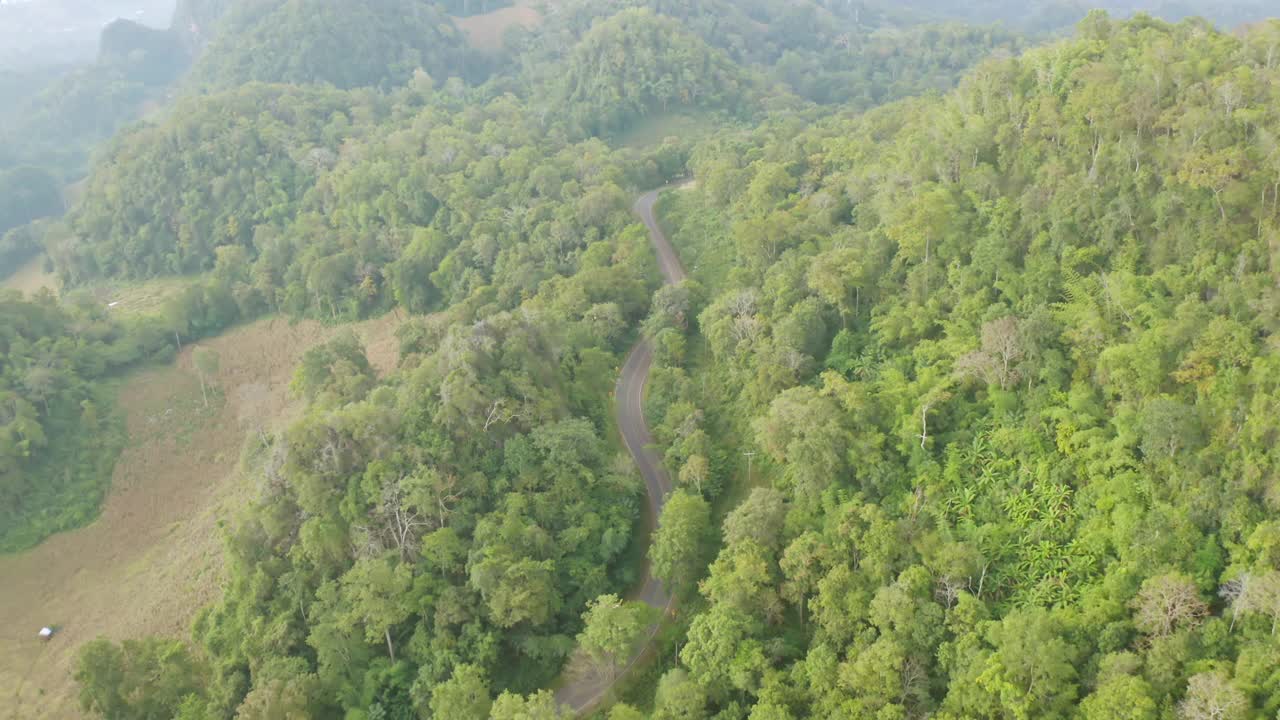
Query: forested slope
(1010, 357)
(1001, 357)
(444, 527)
(636, 63)
(330, 41)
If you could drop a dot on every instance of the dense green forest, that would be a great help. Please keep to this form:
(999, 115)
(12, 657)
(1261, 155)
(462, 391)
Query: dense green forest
(1008, 356)
(330, 41)
(58, 436)
(969, 399)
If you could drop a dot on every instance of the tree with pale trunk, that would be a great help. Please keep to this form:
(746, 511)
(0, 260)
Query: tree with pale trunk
(206, 362)
(1212, 696)
(1167, 603)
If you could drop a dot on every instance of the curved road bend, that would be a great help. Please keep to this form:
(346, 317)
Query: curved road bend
(584, 694)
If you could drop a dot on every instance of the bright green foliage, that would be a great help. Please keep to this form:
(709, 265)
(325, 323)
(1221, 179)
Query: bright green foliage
(138, 680)
(59, 436)
(679, 698)
(611, 631)
(681, 543)
(444, 526)
(464, 696)
(538, 706)
(1007, 358)
(1002, 359)
(622, 711)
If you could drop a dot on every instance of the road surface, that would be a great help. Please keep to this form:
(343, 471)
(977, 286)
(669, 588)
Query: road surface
(583, 694)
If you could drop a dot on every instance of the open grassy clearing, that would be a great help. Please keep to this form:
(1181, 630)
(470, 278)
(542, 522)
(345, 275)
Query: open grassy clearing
(653, 129)
(137, 297)
(30, 277)
(153, 557)
(487, 30)
(140, 297)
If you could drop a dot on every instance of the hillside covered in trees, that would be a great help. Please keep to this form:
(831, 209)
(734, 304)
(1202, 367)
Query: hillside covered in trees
(969, 400)
(328, 41)
(1009, 357)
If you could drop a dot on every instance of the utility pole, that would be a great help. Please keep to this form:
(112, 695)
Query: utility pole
(749, 455)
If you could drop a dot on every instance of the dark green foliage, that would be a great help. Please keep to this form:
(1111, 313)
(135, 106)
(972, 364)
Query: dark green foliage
(26, 194)
(340, 43)
(636, 63)
(259, 149)
(150, 56)
(868, 69)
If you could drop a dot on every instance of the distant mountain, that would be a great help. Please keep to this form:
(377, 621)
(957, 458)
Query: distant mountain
(346, 44)
(63, 32)
(1050, 15)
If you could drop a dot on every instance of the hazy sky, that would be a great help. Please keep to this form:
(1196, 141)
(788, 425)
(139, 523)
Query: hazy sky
(43, 32)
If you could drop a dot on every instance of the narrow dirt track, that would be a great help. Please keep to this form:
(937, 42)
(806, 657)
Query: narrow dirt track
(584, 694)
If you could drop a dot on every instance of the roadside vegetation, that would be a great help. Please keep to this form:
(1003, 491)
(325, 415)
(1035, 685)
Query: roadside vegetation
(968, 399)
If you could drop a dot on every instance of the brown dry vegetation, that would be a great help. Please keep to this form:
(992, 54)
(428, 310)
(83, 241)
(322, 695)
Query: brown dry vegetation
(154, 558)
(486, 31)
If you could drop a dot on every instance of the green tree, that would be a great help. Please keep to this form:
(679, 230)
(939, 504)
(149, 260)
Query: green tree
(680, 545)
(137, 680)
(758, 519)
(376, 595)
(679, 698)
(1124, 697)
(465, 695)
(611, 631)
(541, 705)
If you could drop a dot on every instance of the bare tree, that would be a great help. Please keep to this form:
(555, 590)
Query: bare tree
(402, 516)
(206, 362)
(1255, 594)
(409, 508)
(997, 361)
(445, 494)
(499, 413)
(1232, 591)
(948, 590)
(1167, 603)
(695, 471)
(1212, 696)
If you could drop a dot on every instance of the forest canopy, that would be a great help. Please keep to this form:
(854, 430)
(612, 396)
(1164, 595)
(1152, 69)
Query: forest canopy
(969, 401)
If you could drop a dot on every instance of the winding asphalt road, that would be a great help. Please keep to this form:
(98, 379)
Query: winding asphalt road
(584, 694)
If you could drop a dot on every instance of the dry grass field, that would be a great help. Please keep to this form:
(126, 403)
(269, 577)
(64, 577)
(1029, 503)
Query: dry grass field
(153, 557)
